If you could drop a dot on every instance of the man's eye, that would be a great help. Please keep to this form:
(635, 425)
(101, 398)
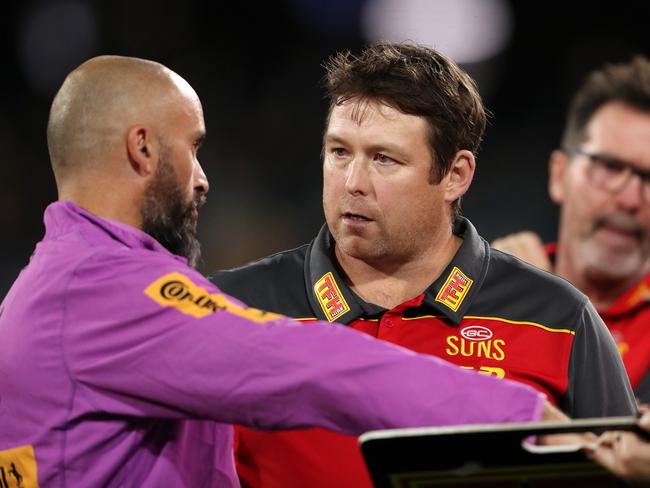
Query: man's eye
(382, 158)
(611, 165)
(339, 152)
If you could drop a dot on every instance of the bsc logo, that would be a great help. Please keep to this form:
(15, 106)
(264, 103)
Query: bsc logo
(476, 333)
(478, 342)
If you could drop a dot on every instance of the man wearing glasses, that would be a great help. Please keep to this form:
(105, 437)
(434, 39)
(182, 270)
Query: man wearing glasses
(601, 180)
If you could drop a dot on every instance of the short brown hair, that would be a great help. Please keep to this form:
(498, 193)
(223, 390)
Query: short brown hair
(628, 83)
(416, 80)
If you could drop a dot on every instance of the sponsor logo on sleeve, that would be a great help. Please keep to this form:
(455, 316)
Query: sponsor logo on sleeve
(178, 291)
(454, 290)
(330, 298)
(18, 468)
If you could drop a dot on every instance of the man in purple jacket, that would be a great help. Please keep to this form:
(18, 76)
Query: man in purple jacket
(122, 366)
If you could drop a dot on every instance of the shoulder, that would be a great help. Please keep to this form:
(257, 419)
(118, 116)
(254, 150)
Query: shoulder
(267, 281)
(285, 265)
(525, 292)
(123, 269)
(151, 289)
(520, 272)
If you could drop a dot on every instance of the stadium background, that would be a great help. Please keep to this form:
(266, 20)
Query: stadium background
(257, 68)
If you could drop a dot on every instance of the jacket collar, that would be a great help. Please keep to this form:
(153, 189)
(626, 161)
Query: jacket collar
(63, 216)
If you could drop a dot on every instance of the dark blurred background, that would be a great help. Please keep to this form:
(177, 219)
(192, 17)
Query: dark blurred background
(257, 67)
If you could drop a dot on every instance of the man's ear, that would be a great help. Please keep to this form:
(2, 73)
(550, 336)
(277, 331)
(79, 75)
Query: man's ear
(460, 175)
(142, 150)
(557, 171)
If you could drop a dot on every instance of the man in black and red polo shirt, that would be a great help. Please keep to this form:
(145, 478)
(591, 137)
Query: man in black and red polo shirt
(601, 180)
(397, 261)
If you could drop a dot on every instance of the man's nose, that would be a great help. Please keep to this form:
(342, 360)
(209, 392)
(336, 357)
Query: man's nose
(630, 197)
(357, 179)
(201, 184)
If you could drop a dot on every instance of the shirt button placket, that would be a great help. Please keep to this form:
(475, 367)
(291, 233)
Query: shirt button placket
(387, 321)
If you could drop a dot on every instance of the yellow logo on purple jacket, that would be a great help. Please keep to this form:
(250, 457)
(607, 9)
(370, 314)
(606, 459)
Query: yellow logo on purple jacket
(18, 468)
(453, 292)
(330, 298)
(178, 291)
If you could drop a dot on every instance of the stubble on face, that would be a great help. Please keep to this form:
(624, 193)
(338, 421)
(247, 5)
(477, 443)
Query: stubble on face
(387, 213)
(605, 260)
(168, 217)
(606, 234)
(380, 243)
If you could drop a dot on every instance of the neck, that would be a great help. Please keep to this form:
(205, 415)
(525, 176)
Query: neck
(389, 284)
(602, 290)
(110, 203)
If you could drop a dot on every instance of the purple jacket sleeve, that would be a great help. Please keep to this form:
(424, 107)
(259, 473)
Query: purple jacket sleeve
(149, 337)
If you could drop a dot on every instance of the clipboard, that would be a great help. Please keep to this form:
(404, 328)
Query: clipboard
(486, 456)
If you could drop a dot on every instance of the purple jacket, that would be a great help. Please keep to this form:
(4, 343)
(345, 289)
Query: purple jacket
(121, 366)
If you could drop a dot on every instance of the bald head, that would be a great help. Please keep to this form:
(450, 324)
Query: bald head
(99, 101)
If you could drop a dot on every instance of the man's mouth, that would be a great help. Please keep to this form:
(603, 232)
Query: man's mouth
(636, 234)
(620, 230)
(197, 203)
(356, 217)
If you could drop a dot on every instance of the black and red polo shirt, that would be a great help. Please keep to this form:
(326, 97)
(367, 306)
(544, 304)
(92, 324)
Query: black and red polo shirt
(628, 320)
(487, 311)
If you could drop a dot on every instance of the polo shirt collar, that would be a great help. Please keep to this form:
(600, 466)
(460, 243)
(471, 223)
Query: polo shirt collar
(453, 292)
(329, 297)
(450, 295)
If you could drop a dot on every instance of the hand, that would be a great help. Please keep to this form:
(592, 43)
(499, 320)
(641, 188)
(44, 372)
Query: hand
(625, 454)
(552, 414)
(526, 246)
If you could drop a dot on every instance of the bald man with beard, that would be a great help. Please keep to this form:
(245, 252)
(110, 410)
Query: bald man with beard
(123, 366)
(165, 122)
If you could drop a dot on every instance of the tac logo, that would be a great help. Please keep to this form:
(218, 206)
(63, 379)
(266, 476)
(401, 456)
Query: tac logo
(18, 468)
(330, 298)
(178, 291)
(453, 292)
(476, 333)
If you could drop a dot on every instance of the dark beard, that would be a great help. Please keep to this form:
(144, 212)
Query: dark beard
(167, 217)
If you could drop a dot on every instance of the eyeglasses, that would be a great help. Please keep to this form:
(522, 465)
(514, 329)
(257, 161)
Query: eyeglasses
(612, 174)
